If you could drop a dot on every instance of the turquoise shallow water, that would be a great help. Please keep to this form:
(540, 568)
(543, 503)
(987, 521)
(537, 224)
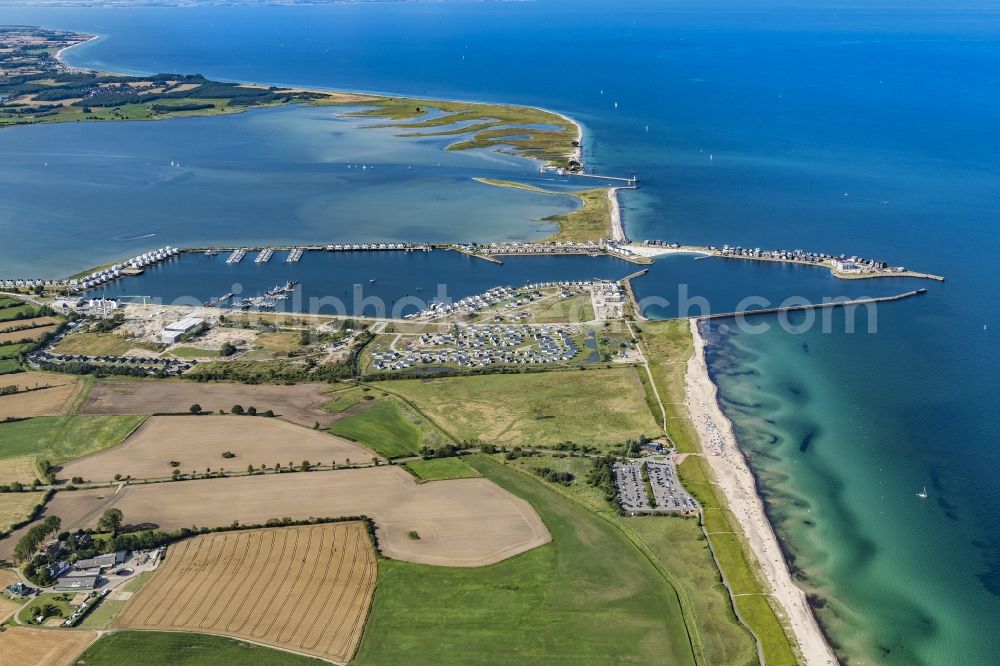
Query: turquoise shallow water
(844, 126)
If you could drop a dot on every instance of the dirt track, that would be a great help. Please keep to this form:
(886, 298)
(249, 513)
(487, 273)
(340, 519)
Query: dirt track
(197, 443)
(461, 523)
(301, 403)
(306, 589)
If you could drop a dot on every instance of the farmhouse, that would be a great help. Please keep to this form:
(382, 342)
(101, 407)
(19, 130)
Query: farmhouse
(101, 561)
(71, 583)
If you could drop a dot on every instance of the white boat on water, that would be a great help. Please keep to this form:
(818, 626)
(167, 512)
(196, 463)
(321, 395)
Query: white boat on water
(923, 493)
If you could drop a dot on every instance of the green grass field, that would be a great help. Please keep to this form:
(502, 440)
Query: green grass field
(600, 406)
(679, 546)
(60, 600)
(99, 344)
(13, 311)
(9, 365)
(153, 648)
(588, 597)
(63, 438)
(100, 616)
(668, 345)
(193, 352)
(441, 468)
(383, 428)
(343, 400)
(8, 352)
(743, 575)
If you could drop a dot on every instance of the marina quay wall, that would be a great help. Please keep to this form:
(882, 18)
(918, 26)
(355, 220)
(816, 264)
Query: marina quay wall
(639, 252)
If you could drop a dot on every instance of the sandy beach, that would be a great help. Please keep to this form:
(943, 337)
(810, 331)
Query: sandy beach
(60, 52)
(617, 230)
(737, 482)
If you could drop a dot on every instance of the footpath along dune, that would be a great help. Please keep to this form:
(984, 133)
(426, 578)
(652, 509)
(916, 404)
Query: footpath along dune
(737, 483)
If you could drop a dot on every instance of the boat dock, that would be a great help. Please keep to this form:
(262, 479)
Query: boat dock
(264, 256)
(236, 257)
(294, 255)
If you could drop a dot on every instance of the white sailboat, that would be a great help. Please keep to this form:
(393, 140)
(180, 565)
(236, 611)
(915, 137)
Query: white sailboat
(923, 493)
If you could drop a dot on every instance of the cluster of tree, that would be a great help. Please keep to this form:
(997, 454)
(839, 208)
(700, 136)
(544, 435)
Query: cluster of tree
(249, 411)
(100, 370)
(34, 537)
(44, 612)
(633, 447)
(267, 372)
(148, 539)
(27, 313)
(108, 324)
(555, 476)
(187, 106)
(602, 476)
(518, 452)
(574, 447)
(446, 451)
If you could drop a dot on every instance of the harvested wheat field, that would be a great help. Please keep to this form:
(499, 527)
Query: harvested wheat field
(300, 403)
(15, 507)
(7, 605)
(49, 394)
(15, 324)
(461, 522)
(198, 442)
(20, 469)
(28, 334)
(306, 589)
(24, 646)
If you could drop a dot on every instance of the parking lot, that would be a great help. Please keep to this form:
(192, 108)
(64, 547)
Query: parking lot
(669, 495)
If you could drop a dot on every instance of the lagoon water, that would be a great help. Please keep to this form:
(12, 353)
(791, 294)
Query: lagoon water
(859, 127)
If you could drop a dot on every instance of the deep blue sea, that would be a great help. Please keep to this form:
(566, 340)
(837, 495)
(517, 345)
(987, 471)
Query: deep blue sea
(859, 127)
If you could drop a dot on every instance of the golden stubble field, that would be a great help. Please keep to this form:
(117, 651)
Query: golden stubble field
(51, 401)
(15, 507)
(7, 606)
(28, 334)
(24, 646)
(25, 324)
(306, 589)
(300, 403)
(19, 468)
(461, 522)
(198, 442)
